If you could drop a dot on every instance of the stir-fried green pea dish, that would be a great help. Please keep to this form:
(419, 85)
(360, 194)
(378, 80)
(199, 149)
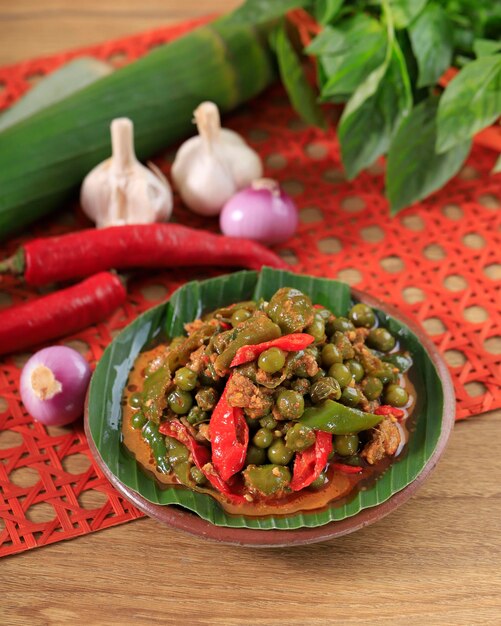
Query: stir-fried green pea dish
(265, 401)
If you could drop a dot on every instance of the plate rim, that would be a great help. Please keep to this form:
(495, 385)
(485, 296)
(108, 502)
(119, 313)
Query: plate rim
(190, 523)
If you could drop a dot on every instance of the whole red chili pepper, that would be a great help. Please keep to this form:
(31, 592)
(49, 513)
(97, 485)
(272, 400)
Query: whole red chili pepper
(86, 252)
(60, 313)
(347, 469)
(173, 428)
(386, 409)
(309, 464)
(288, 343)
(229, 436)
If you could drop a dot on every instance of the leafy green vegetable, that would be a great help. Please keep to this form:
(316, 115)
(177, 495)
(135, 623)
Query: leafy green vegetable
(327, 10)
(431, 38)
(300, 92)
(471, 101)
(349, 53)
(374, 112)
(404, 11)
(258, 11)
(413, 169)
(485, 47)
(384, 58)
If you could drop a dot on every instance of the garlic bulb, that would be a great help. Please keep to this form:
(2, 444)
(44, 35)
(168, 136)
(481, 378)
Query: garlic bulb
(213, 166)
(121, 190)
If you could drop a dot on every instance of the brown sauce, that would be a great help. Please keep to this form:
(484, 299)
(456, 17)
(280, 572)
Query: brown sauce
(340, 489)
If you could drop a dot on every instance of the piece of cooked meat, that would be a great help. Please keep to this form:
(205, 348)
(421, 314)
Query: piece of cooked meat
(385, 441)
(244, 393)
(197, 360)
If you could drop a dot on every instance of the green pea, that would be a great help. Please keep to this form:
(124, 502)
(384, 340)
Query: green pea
(180, 401)
(185, 379)
(278, 453)
(299, 437)
(252, 422)
(385, 373)
(263, 438)
(320, 481)
(343, 344)
(268, 421)
(331, 355)
(301, 385)
(291, 310)
(350, 396)
(357, 369)
(325, 389)
(372, 388)
(346, 445)
(362, 315)
(272, 360)
(255, 456)
(317, 329)
(290, 404)
(267, 479)
(197, 416)
(402, 362)
(341, 373)
(342, 324)
(197, 476)
(135, 400)
(381, 339)
(138, 420)
(240, 315)
(206, 398)
(396, 395)
(318, 376)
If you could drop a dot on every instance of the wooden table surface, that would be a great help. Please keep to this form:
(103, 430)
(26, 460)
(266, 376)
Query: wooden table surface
(436, 560)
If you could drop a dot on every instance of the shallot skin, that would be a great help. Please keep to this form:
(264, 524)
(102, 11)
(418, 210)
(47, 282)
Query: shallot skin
(66, 390)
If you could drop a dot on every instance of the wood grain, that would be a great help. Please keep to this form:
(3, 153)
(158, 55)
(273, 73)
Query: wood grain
(434, 561)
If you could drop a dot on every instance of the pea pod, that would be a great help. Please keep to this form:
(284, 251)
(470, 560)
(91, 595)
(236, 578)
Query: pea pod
(255, 330)
(338, 419)
(157, 445)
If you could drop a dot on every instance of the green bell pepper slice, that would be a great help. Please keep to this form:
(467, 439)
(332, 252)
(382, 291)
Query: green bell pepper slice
(338, 419)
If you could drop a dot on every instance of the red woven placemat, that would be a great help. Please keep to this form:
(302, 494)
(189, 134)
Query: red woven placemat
(438, 261)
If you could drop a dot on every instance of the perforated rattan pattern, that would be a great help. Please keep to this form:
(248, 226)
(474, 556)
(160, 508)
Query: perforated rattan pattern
(439, 262)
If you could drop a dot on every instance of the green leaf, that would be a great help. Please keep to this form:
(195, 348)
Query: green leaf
(404, 11)
(470, 102)
(327, 10)
(301, 94)
(374, 112)
(109, 379)
(413, 169)
(349, 53)
(431, 37)
(486, 47)
(258, 11)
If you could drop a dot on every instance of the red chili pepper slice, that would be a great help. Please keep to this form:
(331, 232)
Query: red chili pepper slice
(308, 465)
(61, 312)
(201, 457)
(229, 435)
(289, 343)
(347, 469)
(218, 483)
(199, 453)
(386, 409)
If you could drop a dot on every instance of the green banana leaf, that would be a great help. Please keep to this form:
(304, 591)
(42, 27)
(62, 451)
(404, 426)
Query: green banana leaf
(189, 302)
